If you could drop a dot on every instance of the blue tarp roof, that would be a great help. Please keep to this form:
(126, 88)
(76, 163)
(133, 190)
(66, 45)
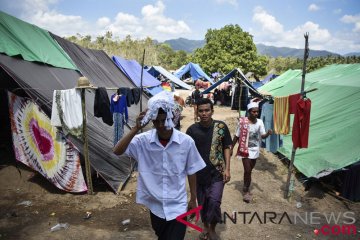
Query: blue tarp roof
(156, 70)
(267, 79)
(231, 74)
(132, 69)
(195, 71)
(154, 90)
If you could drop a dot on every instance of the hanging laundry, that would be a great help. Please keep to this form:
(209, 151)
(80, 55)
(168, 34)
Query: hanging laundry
(67, 111)
(102, 106)
(281, 115)
(118, 108)
(40, 146)
(283, 106)
(125, 91)
(301, 125)
(136, 92)
(271, 143)
(244, 98)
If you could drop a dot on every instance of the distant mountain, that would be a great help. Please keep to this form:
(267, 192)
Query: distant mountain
(190, 45)
(185, 44)
(290, 52)
(352, 54)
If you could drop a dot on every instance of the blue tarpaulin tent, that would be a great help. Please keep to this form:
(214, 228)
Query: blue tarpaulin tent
(156, 70)
(195, 71)
(231, 74)
(132, 69)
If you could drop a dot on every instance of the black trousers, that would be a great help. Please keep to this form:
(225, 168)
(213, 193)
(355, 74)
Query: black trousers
(167, 230)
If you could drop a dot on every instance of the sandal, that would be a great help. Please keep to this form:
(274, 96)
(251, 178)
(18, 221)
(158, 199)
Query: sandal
(204, 236)
(247, 197)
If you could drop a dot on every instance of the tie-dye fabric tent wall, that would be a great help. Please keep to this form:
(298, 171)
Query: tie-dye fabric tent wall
(37, 81)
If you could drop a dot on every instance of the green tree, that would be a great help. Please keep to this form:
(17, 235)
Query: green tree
(228, 48)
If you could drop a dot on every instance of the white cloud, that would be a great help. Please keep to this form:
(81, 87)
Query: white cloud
(313, 7)
(103, 22)
(59, 24)
(352, 19)
(271, 32)
(152, 22)
(267, 22)
(231, 2)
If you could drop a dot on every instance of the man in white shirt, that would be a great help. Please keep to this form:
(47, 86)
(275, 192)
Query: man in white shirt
(165, 157)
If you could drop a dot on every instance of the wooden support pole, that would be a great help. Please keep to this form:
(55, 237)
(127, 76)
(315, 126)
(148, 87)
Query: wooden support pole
(291, 178)
(86, 145)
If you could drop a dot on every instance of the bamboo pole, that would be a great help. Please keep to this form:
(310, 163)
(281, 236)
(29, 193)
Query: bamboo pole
(141, 80)
(240, 95)
(291, 175)
(86, 145)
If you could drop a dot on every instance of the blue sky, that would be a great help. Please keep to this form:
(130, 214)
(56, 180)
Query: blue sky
(333, 25)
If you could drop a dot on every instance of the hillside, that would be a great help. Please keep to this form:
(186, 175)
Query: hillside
(290, 52)
(185, 44)
(190, 45)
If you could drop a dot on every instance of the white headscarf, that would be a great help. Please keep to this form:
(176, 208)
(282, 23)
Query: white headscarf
(164, 100)
(252, 105)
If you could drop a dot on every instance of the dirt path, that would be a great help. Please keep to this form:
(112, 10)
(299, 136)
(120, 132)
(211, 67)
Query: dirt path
(50, 206)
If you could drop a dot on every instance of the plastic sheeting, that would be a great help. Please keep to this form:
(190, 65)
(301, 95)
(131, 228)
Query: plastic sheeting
(132, 69)
(39, 81)
(31, 43)
(267, 79)
(156, 70)
(195, 71)
(334, 119)
(101, 71)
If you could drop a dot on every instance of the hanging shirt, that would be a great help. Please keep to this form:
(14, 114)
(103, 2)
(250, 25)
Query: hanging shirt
(102, 106)
(119, 106)
(300, 133)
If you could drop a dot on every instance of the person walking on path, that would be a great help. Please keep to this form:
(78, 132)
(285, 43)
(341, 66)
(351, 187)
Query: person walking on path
(213, 140)
(196, 95)
(165, 157)
(248, 134)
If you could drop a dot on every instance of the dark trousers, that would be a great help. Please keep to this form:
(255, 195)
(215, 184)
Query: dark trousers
(248, 164)
(167, 230)
(209, 197)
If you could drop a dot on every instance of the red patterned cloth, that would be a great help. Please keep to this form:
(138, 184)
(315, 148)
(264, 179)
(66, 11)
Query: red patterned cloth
(243, 150)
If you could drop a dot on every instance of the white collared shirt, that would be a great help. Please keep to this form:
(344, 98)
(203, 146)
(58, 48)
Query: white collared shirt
(163, 170)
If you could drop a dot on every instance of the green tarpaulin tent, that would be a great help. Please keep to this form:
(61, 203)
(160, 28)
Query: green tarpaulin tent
(280, 81)
(31, 43)
(334, 123)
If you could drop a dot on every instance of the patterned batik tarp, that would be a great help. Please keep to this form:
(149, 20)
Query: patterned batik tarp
(42, 147)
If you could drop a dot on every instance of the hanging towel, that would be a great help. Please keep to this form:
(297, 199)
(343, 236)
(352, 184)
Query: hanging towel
(68, 110)
(271, 143)
(102, 106)
(281, 115)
